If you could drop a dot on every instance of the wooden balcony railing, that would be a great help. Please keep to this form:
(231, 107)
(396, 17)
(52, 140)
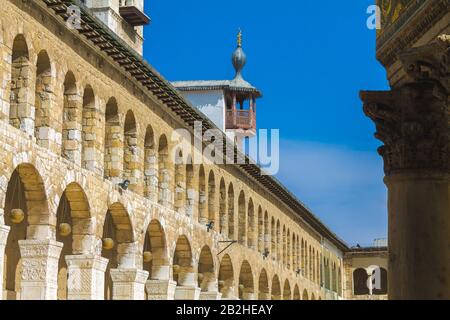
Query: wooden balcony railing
(240, 119)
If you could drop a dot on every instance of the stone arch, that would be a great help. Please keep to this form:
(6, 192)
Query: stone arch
(202, 214)
(191, 191)
(74, 211)
(211, 197)
(296, 293)
(164, 178)
(242, 219)
(246, 283)
(263, 286)
(305, 295)
(230, 202)
(287, 294)
(21, 112)
(183, 267)
(284, 250)
(294, 253)
(278, 231)
(273, 238)
(360, 282)
(71, 119)
(113, 156)
(223, 222)
(44, 100)
(150, 165)
(131, 152)
(155, 244)
(206, 274)
(91, 132)
(117, 227)
(260, 230)
(180, 181)
(288, 249)
(266, 232)
(251, 231)
(25, 193)
(276, 288)
(226, 278)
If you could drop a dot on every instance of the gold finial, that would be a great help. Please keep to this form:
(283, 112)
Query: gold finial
(239, 38)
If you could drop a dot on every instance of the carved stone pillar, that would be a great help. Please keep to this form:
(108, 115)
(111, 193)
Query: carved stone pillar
(128, 284)
(4, 230)
(86, 277)
(187, 288)
(412, 121)
(160, 287)
(39, 269)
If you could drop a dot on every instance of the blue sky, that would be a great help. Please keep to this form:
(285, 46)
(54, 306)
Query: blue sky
(310, 60)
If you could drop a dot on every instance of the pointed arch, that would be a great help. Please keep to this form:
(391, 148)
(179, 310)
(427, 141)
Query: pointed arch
(190, 187)
(226, 278)
(131, 164)
(231, 211)
(113, 155)
(251, 229)
(263, 286)
(91, 132)
(287, 294)
(207, 281)
(155, 243)
(260, 230)
(180, 182)
(211, 197)
(182, 260)
(296, 293)
(223, 227)
(276, 288)
(246, 283)
(71, 120)
(242, 219)
(202, 214)
(164, 175)
(150, 165)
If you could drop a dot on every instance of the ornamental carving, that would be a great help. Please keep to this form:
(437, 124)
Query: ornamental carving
(412, 119)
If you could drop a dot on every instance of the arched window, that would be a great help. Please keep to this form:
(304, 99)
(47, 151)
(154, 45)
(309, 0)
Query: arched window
(360, 282)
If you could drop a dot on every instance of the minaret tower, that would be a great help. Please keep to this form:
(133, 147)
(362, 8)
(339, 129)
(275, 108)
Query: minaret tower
(230, 104)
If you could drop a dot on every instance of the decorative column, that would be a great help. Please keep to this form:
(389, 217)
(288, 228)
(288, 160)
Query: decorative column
(39, 269)
(4, 230)
(160, 287)
(412, 121)
(86, 277)
(128, 284)
(187, 288)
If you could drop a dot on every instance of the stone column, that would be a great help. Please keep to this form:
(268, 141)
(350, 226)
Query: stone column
(4, 230)
(160, 287)
(187, 288)
(210, 287)
(412, 122)
(39, 269)
(128, 284)
(86, 277)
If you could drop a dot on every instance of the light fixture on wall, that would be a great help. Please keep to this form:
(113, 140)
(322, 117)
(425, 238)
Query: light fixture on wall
(17, 216)
(125, 184)
(148, 256)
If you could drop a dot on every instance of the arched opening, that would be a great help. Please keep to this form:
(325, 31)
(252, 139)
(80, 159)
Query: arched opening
(113, 143)
(190, 188)
(226, 278)
(150, 166)
(313, 297)
(21, 112)
(246, 285)
(117, 233)
(287, 295)
(266, 233)
(91, 132)
(276, 288)
(273, 238)
(155, 250)
(288, 250)
(294, 253)
(211, 197)
(71, 120)
(241, 219)
(305, 295)
(131, 166)
(182, 262)
(73, 218)
(26, 213)
(223, 222)
(164, 196)
(44, 99)
(263, 285)
(377, 291)
(230, 196)
(278, 241)
(202, 214)
(360, 282)
(284, 253)
(206, 274)
(260, 230)
(180, 182)
(296, 293)
(251, 232)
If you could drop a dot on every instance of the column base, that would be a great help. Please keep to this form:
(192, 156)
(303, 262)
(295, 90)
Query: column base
(128, 284)
(160, 289)
(210, 295)
(187, 293)
(86, 277)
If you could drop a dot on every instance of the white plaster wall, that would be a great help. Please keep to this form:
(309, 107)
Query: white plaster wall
(211, 103)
